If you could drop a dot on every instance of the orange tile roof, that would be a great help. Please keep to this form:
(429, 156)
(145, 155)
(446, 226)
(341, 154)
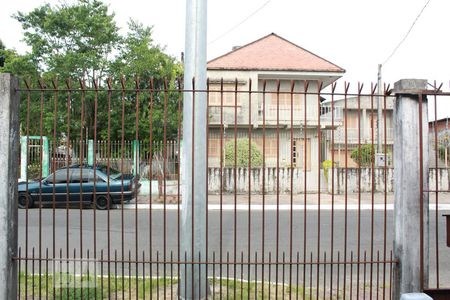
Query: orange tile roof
(275, 53)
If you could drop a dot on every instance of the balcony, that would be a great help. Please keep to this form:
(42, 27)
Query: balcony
(283, 115)
(366, 135)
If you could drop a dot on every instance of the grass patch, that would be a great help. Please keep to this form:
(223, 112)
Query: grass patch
(68, 286)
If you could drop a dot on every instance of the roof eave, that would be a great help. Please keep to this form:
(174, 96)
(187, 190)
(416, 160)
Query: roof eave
(275, 70)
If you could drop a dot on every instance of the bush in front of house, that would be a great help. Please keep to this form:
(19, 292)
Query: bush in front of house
(365, 158)
(242, 158)
(326, 165)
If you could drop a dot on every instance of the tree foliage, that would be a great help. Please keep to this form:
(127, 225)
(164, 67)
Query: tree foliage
(80, 44)
(71, 40)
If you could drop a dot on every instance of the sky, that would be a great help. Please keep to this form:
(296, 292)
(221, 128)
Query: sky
(356, 35)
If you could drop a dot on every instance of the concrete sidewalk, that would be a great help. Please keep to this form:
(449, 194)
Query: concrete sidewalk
(298, 199)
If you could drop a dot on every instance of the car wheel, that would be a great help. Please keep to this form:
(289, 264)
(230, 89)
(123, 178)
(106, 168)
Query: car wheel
(25, 201)
(101, 202)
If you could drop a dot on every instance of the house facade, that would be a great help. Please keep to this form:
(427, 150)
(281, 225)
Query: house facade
(256, 102)
(359, 121)
(439, 138)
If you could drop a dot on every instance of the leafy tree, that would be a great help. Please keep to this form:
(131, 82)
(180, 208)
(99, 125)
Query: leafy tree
(242, 157)
(71, 40)
(82, 41)
(364, 157)
(142, 60)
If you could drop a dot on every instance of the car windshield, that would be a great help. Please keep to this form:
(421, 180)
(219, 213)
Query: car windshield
(113, 173)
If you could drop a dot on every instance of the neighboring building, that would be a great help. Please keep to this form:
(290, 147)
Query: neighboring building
(361, 127)
(438, 125)
(441, 128)
(268, 61)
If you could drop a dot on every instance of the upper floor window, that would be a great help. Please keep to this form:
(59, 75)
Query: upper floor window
(226, 96)
(284, 100)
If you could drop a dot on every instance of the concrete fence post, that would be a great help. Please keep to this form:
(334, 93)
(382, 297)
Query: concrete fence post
(24, 148)
(90, 154)
(23, 158)
(408, 163)
(136, 158)
(45, 157)
(9, 156)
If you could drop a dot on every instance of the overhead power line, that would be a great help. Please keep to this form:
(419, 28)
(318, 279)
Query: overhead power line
(240, 23)
(407, 33)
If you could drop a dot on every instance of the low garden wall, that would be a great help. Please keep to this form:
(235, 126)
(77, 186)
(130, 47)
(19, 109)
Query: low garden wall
(383, 179)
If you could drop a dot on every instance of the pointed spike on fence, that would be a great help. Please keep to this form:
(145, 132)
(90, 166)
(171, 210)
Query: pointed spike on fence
(278, 85)
(388, 90)
(152, 84)
(95, 83)
(136, 83)
(333, 87)
(69, 83)
(109, 83)
(292, 86)
(373, 88)
(166, 84)
(440, 87)
(264, 85)
(122, 83)
(320, 85)
(27, 82)
(360, 87)
(306, 84)
(81, 82)
(346, 86)
(249, 84)
(193, 83)
(41, 83)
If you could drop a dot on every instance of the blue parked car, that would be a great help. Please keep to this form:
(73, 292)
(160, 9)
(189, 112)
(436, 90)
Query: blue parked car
(67, 184)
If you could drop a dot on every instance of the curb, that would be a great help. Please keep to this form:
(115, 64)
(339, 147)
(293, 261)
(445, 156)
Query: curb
(282, 207)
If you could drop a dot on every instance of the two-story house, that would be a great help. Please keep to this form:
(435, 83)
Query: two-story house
(269, 112)
(359, 121)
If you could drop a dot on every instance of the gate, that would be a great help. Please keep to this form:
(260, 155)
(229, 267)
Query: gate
(299, 194)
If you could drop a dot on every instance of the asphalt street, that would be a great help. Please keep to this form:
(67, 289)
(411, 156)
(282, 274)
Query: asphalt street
(142, 232)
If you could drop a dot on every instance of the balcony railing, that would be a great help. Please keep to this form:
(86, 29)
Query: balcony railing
(284, 115)
(366, 135)
(327, 113)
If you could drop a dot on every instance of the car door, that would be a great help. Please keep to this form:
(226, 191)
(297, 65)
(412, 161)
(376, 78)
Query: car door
(82, 185)
(101, 187)
(57, 184)
(79, 184)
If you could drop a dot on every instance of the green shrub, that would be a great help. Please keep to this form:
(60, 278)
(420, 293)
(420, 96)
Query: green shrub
(242, 154)
(366, 156)
(326, 164)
